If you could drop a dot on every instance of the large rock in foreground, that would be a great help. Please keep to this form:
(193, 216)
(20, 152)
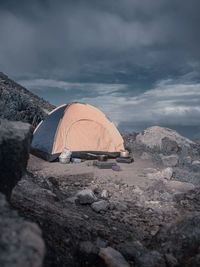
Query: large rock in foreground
(181, 239)
(73, 232)
(21, 244)
(15, 138)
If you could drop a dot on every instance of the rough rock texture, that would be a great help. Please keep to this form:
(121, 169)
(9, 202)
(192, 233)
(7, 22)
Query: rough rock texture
(86, 196)
(17, 103)
(141, 256)
(181, 239)
(169, 161)
(66, 225)
(168, 148)
(141, 222)
(162, 174)
(15, 138)
(113, 258)
(101, 205)
(153, 137)
(21, 244)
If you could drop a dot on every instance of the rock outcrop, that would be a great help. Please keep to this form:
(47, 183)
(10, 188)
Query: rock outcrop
(163, 139)
(15, 138)
(21, 243)
(18, 104)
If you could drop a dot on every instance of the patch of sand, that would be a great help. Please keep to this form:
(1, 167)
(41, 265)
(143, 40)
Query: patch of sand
(131, 174)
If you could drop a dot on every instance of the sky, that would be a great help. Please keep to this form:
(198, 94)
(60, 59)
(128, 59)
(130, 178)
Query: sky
(137, 60)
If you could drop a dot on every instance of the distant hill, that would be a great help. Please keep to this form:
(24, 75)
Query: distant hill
(19, 104)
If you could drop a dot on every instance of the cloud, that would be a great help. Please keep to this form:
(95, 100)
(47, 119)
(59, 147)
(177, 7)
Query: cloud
(169, 102)
(48, 38)
(42, 84)
(137, 60)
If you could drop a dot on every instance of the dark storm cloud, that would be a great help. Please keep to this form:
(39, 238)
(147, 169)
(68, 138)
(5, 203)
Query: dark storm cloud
(172, 103)
(95, 37)
(138, 60)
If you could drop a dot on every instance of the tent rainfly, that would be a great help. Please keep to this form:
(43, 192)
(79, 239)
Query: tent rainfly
(81, 128)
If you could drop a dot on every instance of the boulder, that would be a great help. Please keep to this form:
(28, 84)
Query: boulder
(15, 138)
(112, 257)
(21, 242)
(86, 196)
(101, 205)
(160, 137)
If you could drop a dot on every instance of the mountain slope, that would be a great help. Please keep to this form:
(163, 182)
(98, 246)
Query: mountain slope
(17, 103)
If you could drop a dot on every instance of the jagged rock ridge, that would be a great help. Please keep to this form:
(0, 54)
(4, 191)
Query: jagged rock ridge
(21, 242)
(19, 104)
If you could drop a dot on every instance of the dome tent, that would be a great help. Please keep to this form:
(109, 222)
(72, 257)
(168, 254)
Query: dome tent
(79, 127)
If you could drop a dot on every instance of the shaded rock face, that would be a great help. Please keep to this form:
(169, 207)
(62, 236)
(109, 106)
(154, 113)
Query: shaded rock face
(15, 138)
(182, 239)
(21, 243)
(74, 233)
(156, 140)
(167, 148)
(17, 103)
(163, 138)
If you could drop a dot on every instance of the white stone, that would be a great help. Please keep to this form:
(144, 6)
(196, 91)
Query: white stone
(104, 194)
(196, 162)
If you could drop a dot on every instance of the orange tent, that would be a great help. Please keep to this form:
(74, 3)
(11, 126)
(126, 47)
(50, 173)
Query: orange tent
(81, 128)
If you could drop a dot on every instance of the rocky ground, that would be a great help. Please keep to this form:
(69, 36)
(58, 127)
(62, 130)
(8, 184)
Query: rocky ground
(18, 104)
(148, 212)
(145, 215)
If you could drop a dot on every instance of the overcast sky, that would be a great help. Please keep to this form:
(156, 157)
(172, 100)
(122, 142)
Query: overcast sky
(137, 60)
